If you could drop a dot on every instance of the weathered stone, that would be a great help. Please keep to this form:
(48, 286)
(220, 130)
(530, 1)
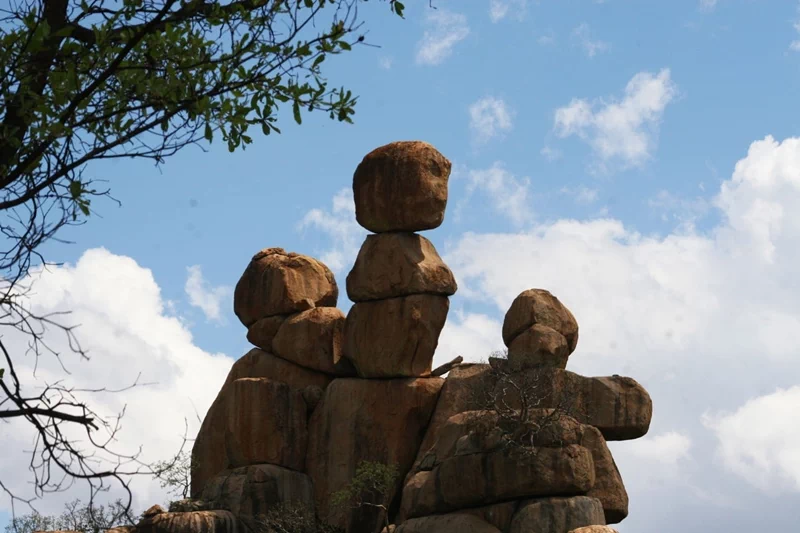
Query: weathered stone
(277, 282)
(401, 186)
(252, 490)
(253, 420)
(594, 529)
(188, 505)
(193, 522)
(538, 306)
(313, 339)
(264, 330)
(259, 364)
(556, 515)
(618, 406)
(479, 479)
(608, 486)
(447, 523)
(395, 337)
(499, 514)
(365, 420)
(152, 511)
(539, 346)
(390, 265)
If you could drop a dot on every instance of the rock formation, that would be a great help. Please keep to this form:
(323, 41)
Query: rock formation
(323, 392)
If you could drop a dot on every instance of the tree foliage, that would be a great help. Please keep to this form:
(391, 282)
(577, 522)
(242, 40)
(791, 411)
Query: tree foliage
(88, 80)
(75, 517)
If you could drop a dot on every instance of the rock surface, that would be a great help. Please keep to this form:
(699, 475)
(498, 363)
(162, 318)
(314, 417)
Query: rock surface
(477, 479)
(448, 523)
(252, 490)
(259, 364)
(264, 330)
(538, 306)
(539, 346)
(252, 421)
(556, 515)
(277, 282)
(594, 529)
(365, 420)
(608, 486)
(401, 186)
(395, 337)
(194, 522)
(398, 264)
(313, 339)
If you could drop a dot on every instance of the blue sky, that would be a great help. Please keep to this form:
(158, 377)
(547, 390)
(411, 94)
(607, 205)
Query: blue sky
(594, 148)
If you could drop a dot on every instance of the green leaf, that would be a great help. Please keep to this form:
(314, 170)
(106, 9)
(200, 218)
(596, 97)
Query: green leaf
(344, 46)
(398, 8)
(296, 110)
(75, 189)
(209, 134)
(2, 371)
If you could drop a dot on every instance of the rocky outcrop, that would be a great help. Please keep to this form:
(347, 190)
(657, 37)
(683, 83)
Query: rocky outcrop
(365, 420)
(401, 186)
(516, 445)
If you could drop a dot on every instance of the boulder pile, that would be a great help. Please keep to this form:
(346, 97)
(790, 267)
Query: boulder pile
(322, 392)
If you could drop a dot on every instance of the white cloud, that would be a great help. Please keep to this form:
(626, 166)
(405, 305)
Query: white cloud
(506, 193)
(499, 9)
(582, 35)
(446, 29)
(550, 153)
(795, 45)
(666, 449)
(760, 441)
(125, 328)
(340, 225)
(546, 40)
(708, 5)
(685, 210)
(385, 63)
(489, 118)
(624, 130)
(207, 299)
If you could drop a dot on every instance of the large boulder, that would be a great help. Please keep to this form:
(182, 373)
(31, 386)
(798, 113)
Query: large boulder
(253, 420)
(398, 264)
(594, 529)
(313, 339)
(395, 337)
(259, 364)
(498, 514)
(401, 186)
(538, 306)
(608, 486)
(194, 522)
(252, 490)
(503, 474)
(365, 420)
(277, 282)
(539, 346)
(556, 515)
(447, 523)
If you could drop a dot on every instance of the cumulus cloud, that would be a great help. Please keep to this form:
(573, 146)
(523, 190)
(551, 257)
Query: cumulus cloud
(760, 441)
(583, 195)
(624, 130)
(445, 30)
(708, 5)
(339, 223)
(201, 295)
(127, 331)
(489, 117)
(507, 194)
(582, 35)
(795, 45)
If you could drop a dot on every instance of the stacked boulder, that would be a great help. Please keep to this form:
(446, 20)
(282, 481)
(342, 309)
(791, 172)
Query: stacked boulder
(322, 392)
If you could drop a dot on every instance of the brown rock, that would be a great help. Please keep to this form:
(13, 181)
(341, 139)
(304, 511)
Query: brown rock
(499, 514)
(401, 186)
(538, 306)
(313, 339)
(264, 330)
(280, 283)
(152, 511)
(477, 479)
(252, 490)
(395, 337)
(608, 486)
(390, 265)
(594, 529)
(556, 515)
(253, 420)
(193, 522)
(539, 346)
(259, 364)
(447, 523)
(365, 420)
